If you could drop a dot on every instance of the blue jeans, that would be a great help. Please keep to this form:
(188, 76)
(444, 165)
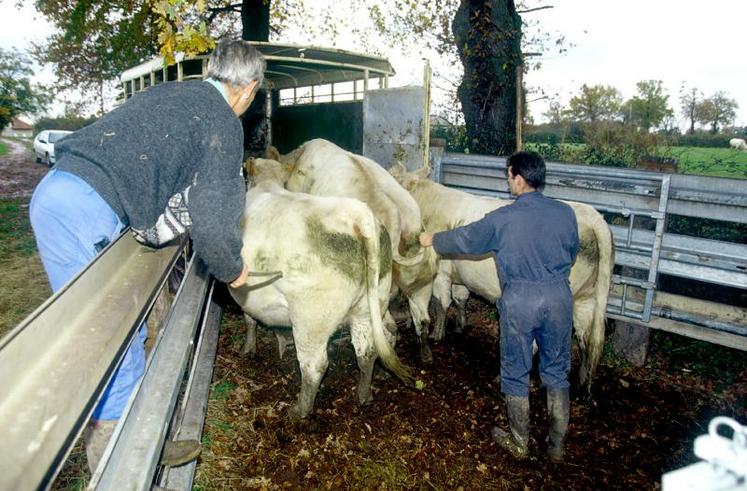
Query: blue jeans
(541, 311)
(69, 219)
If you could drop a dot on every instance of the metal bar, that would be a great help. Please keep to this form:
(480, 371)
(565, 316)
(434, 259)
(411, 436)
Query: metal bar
(196, 397)
(681, 316)
(679, 265)
(697, 196)
(138, 445)
(629, 236)
(57, 362)
(689, 330)
(653, 270)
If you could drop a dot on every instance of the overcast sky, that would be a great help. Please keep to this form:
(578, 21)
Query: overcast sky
(614, 43)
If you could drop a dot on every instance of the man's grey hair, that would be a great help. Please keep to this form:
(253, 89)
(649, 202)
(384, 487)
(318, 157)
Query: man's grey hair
(236, 63)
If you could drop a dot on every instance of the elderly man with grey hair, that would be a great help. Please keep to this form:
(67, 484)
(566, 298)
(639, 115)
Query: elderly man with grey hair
(167, 163)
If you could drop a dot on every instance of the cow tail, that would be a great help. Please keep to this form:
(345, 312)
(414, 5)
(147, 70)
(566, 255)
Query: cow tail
(595, 342)
(384, 350)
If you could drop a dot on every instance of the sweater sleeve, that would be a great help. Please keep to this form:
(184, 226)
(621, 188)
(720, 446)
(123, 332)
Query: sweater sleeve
(217, 204)
(473, 239)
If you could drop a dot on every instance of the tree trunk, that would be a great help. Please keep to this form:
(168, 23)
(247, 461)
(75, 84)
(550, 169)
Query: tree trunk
(488, 37)
(255, 20)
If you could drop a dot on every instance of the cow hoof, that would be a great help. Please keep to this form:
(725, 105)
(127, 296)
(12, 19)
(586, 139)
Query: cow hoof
(437, 335)
(295, 413)
(365, 398)
(251, 353)
(426, 355)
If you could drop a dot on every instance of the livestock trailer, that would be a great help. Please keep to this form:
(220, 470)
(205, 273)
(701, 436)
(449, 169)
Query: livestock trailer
(312, 92)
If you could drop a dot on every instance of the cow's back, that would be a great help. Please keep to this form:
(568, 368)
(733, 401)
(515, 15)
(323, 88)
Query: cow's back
(324, 169)
(313, 242)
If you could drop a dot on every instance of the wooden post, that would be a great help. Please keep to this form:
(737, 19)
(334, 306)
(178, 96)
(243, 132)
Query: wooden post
(519, 116)
(631, 342)
(426, 137)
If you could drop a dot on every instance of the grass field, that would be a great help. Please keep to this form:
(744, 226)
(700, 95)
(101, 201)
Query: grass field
(24, 284)
(716, 162)
(721, 162)
(3, 149)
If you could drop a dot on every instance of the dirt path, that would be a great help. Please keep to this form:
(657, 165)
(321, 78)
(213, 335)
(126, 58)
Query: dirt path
(19, 173)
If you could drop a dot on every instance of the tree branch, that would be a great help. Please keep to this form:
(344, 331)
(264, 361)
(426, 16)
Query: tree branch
(535, 9)
(214, 11)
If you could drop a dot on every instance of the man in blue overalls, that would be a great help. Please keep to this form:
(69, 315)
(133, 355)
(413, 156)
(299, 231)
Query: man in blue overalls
(534, 242)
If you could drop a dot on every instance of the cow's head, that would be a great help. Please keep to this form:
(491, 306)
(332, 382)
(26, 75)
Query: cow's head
(266, 171)
(409, 180)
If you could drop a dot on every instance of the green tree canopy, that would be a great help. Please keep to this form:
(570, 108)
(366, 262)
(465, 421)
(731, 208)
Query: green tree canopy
(716, 111)
(595, 103)
(93, 42)
(649, 107)
(17, 94)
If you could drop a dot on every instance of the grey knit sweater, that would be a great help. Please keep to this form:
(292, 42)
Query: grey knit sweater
(158, 143)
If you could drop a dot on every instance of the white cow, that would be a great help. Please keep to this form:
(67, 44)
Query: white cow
(444, 209)
(322, 168)
(335, 264)
(738, 144)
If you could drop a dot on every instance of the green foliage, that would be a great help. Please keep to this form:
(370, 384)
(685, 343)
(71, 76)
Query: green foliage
(704, 139)
(70, 123)
(595, 103)
(3, 149)
(559, 152)
(17, 94)
(176, 33)
(716, 111)
(93, 42)
(455, 136)
(649, 107)
(554, 133)
(615, 144)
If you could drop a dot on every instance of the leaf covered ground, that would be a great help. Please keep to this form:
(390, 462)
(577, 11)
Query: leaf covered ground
(637, 423)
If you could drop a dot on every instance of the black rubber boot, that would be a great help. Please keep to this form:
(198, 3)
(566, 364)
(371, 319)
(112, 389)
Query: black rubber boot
(180, 452)
(517, 439)
(558, 409)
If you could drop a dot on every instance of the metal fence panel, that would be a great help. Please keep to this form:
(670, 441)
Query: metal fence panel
(393, 126)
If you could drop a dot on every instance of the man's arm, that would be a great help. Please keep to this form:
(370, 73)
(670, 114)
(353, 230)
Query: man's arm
(217, 205)
(475, 239)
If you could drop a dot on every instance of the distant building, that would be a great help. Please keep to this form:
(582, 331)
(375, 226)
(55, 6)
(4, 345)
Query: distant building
(19, 129)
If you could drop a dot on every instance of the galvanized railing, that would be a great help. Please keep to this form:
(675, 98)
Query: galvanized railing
(632, 194)
(55, 365)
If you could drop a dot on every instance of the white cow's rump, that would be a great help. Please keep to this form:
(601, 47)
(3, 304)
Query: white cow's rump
(335, 261)
(445, 209)
(322, 168)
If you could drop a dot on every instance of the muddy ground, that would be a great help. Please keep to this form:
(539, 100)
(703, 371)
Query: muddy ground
(19, 174)
(636, 424)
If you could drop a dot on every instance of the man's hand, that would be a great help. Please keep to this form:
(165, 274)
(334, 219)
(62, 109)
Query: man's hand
(241, 279)
(426, 239)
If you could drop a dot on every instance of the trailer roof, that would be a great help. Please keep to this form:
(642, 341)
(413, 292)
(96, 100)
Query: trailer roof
(291, 65)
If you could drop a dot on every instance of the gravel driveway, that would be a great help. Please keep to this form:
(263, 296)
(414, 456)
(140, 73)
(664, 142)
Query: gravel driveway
(19, 174)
